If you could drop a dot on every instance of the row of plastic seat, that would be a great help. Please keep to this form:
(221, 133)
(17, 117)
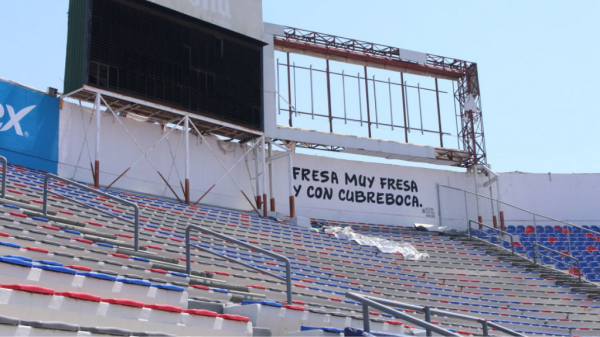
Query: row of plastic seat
(317, 259)
(92, 310)
(10, 326)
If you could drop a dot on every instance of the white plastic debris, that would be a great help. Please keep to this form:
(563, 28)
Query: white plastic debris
(384, 245)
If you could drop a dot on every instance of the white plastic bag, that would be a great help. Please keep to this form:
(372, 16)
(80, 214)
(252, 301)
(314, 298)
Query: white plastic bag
(383, 245)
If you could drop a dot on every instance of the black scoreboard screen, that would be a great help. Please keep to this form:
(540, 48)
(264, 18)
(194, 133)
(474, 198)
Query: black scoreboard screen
(143, 50)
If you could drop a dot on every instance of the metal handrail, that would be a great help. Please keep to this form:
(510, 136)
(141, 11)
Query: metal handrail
(519, 208)
(4, 170)
(383, 305)
(258, 269)
(512, 240)
(136, 220)
(376, 303)
(535, 245)
(288, 266)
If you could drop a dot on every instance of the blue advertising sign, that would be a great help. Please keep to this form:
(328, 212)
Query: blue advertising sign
(28, 127)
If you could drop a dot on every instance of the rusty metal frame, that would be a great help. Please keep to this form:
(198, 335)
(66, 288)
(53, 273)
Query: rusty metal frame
(157, 113)
(471, 133)
(336, 46)
(403, 87)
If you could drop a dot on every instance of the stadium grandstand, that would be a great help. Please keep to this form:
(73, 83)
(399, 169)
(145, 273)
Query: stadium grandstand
(171, 188)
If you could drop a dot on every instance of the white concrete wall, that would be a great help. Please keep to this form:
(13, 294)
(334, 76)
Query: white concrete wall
(118, 152)
(571, 197)
(568, 197)
(425, 180)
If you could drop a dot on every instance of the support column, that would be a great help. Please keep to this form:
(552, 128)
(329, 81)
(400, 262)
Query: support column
(271, 177)
(472, 134)
(187, 160)
(97, 162)
(367, 100)
(492, 201)
(264, 176)
(329, 97)
(402, 86)
(437, 99)
(258, 196)
(502, 226)
(289, 78)
(291, 178)
(476, 189)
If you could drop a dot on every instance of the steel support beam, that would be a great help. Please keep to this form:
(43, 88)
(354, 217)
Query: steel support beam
(437, 100)
(329, 98)
(97, 161)
(289, 88)
(291, 186)
(264, 176)
(258, 197)
(404, 108)
(367, 101)
(271, 177)
(187, 160)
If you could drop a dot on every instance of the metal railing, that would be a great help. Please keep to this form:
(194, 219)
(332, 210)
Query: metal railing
(535, 216)
(500, 237)
(4, 170)
(384, 305)
(378, 304)
(288, 266)
(230, 259)
(537, 254)
(136, 220)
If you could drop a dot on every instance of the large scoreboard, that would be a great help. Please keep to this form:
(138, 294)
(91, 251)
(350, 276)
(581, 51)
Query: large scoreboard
(150, 50)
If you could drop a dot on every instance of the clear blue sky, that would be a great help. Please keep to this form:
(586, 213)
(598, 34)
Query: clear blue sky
(537, 61)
